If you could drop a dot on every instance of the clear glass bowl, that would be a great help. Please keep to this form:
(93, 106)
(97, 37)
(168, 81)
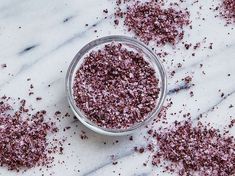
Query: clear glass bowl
(134, 45)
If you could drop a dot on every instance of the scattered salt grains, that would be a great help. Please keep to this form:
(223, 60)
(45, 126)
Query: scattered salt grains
(116, 88)
(83, 135)
(187, 79)
(119, 2)
(3, 66)
(24, 137)
(150, 21)
(162, 115)
(191, 150)
(232, 123)
(227, 10)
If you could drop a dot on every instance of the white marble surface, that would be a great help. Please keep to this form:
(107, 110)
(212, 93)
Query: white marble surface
(39, 24)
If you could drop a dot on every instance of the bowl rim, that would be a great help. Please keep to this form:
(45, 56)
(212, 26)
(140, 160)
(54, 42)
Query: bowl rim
(101, 41)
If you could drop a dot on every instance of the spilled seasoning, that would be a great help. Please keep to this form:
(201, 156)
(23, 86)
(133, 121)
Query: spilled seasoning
(227, 10)
(151, 22)
(190, 150)
(24, 136)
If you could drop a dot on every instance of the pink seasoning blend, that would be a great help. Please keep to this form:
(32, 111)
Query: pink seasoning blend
(24, 135)
(227, 10)
(151, 22)
(189, 149)
(115, 87)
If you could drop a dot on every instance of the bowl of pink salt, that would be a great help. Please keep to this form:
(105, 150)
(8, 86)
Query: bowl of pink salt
(115, 85)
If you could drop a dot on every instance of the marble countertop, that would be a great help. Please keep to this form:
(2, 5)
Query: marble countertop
(39, 39)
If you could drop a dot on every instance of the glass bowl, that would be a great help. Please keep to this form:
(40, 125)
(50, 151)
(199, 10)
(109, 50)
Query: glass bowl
(130, 43)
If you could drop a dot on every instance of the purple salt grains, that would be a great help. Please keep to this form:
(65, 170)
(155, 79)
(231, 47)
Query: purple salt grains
(115, 87)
